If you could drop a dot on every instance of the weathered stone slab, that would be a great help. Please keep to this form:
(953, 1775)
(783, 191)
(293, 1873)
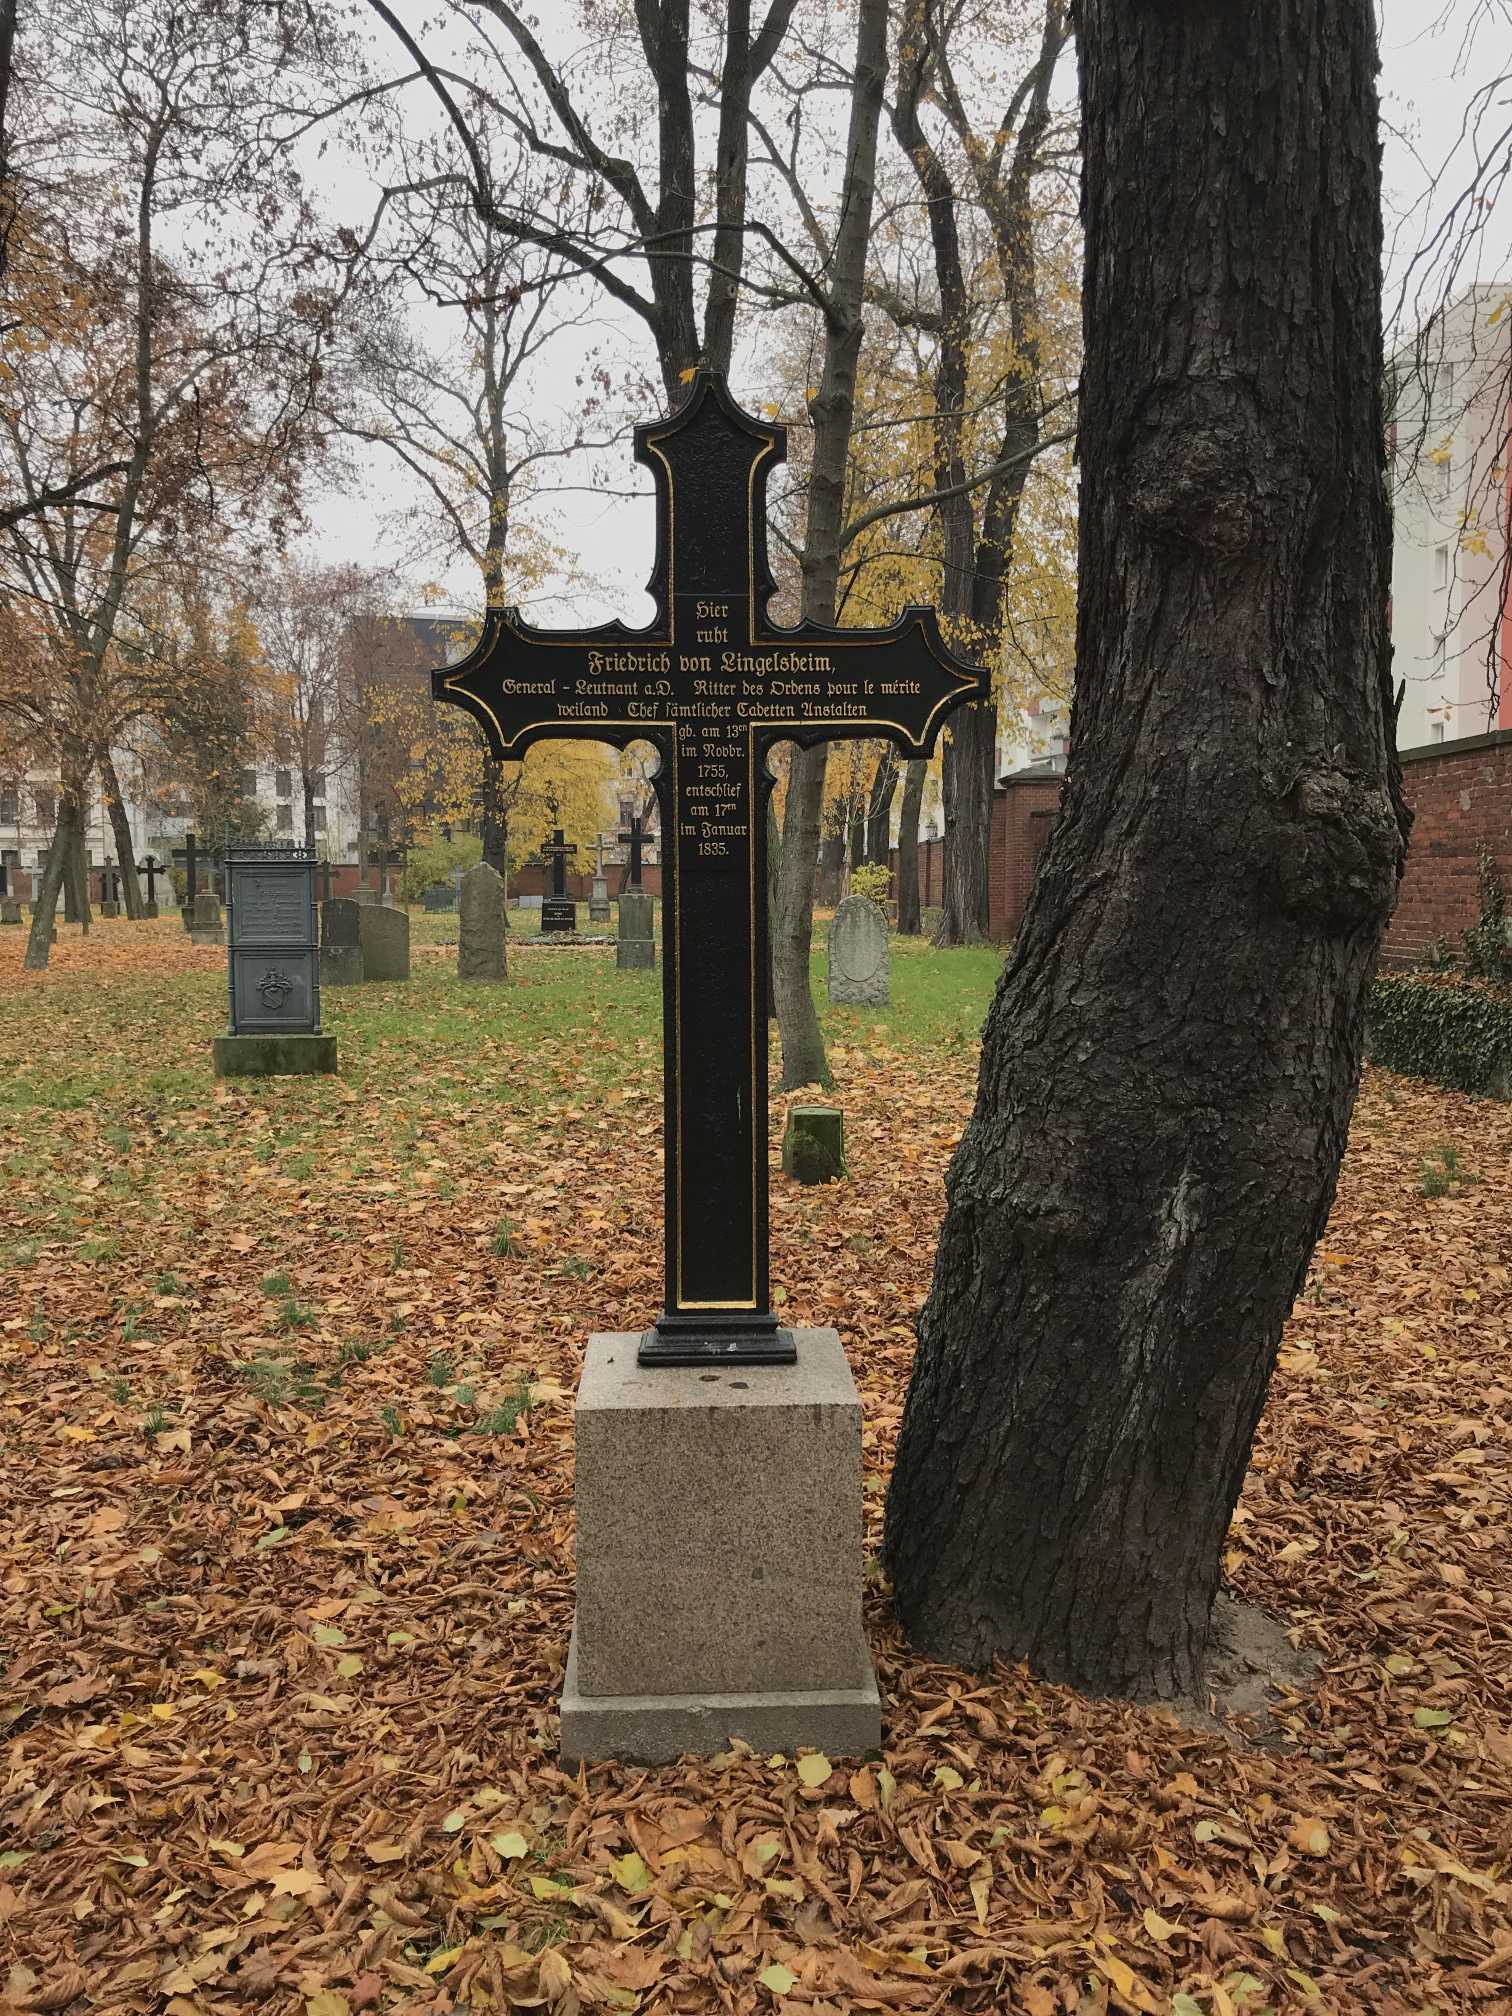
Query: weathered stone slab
(384, 935)
(205, 925)
(293, 1053)
(340, 943)
(719, 1556)
(657, 1728)
(813, 1145)
(10, 910)
(637, 946)
(598, 902)
(480, 940)
(858, 954)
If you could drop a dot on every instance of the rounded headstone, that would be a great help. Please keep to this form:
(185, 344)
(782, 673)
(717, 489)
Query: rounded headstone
(858, 954)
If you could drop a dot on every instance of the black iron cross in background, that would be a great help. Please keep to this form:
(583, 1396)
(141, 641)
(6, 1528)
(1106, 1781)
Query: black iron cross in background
(556, 851)
(151, 869)
(713, 683)
(632, 840)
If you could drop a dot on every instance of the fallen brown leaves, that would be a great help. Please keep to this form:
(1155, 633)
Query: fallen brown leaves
(282, 1653)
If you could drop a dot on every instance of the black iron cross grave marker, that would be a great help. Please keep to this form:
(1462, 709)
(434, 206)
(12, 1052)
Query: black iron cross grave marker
(151, 868)
(632, 840)
(557, 912)
(713, 683)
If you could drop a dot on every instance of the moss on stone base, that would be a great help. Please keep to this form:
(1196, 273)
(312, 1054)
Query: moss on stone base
(273, 1056)
(813, 1148)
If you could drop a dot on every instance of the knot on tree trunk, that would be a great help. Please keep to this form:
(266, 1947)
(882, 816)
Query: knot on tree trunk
(1337, 853)
(1197, 473)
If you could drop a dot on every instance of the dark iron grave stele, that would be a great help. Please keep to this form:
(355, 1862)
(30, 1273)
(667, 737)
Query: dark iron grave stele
(712, 684)
(272, 965)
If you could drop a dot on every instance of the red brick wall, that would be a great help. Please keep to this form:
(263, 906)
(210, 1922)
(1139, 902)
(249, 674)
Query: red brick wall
(1461, 794)
(1022, 815)
(1023, 812)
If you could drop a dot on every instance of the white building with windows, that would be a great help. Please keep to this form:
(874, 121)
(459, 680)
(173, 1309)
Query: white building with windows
(1449, 399)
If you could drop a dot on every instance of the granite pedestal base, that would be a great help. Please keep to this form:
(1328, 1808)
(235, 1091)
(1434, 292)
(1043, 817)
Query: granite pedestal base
(297, 1054)
(719, 1558)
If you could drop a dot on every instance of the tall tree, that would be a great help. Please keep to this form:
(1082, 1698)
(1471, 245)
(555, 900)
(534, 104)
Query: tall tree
(1170, 1062)
(184, 387)
(977, 507)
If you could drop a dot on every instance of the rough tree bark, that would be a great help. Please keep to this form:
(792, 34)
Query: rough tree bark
(1170, 1062)
(908, 846)
(61, 872)
(120, 826)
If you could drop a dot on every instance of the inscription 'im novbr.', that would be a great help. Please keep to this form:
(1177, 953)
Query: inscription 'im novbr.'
(713, 683)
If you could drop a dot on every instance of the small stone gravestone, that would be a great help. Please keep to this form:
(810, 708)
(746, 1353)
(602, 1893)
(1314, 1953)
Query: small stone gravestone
(813, 1147)
(384, 935)
(930, 920)
(340, 944)
(636, 946)
(205, 926)
(10, 910)
(858, 957)
(598, 901)
(480, 937)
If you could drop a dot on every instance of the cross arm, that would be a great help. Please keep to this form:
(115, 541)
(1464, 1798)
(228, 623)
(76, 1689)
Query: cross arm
(523, 685)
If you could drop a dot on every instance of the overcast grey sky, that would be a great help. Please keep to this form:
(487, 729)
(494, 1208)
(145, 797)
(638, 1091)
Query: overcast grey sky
(1431, 67)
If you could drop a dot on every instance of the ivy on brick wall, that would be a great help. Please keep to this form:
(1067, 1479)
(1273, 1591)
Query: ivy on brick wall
(1457, 1032)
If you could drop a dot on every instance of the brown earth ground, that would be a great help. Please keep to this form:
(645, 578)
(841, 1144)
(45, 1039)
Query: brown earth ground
(286, 1565)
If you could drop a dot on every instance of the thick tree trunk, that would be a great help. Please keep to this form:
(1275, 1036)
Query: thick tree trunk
(969, 766)
(792, 926)
(76, 864)
(120, 826)
(908, 847)
(493, 823)
(879, 804)
(307, 792)
(62, 858)
(1170, 1062)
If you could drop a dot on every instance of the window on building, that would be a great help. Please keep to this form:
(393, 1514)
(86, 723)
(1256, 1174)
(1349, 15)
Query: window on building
(320, 824)
(46, 803)
(249, 784)
(1435, 731)
(1441, 566)
(283, 783)
(42, 854)
(286, 818)
(10, 803)
(317, 785)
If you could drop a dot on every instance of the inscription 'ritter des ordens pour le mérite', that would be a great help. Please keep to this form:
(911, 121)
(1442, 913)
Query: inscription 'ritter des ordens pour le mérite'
(712, 684)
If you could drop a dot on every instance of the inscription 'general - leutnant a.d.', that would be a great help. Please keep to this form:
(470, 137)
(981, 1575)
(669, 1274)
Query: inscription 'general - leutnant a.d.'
(714, 683)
